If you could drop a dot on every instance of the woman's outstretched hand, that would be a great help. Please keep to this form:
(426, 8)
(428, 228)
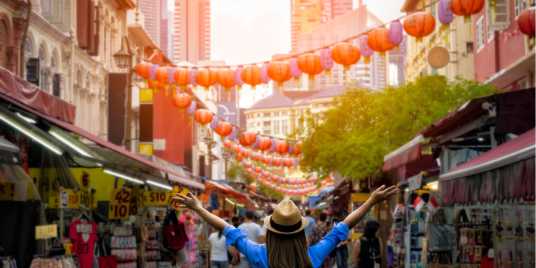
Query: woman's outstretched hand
(190, 201)
(383, 193)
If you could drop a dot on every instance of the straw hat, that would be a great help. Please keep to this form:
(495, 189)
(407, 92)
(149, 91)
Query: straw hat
(286, 219)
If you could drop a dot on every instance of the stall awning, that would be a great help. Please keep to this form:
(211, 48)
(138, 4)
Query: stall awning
(510, 109)
(226, 190)
(509, 152)
(409, 159)
(21, 94)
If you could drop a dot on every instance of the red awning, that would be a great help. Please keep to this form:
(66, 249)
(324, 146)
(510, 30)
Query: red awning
(510, 108)
(507, 153)
(227, 190)
(409, 160)
(26, 95)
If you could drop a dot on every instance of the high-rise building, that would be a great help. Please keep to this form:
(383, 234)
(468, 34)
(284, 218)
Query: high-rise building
(152, 13)
(164, 28)
(307, 14)
(191, 31)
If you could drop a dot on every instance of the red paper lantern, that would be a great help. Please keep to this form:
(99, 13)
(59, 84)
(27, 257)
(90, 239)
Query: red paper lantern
(206, 77)
(247, 138)
(223, 128)
(264, 143)
(378, 40)
(279, 71)
(227, 143)
(309, 63)
(226, 78)
(277, 162)
(203, 116)
(251, 75)
(180, 75)
(297, 148)
(143, 69)
(258, 169)
(162, 74)
(466, 8)
(419, 24)
(525, 21)
(281, 147)
(182, 100)
(345, 54)
(288, 162)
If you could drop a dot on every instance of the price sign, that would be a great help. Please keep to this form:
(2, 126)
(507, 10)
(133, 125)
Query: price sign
(46, 231)
(7, 191)
(180, 191)
(120, 204)
(66, 198)
(156, 199)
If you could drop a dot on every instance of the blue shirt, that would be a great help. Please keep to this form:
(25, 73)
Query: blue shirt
(257, 254)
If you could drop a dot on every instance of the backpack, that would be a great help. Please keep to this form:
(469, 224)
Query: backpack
(175, 237)
(369, 253)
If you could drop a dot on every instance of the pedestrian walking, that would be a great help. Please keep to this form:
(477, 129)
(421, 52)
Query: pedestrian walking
(311, 224)
(286, 246)
(218, 250)
(368, 249)
(253, 231)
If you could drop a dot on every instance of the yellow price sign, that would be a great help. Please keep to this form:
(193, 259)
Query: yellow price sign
(156, 199)
(66, 198)
(120, 204)
(46, 231)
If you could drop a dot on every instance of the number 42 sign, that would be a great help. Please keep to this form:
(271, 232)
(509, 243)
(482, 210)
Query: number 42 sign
(120, 204)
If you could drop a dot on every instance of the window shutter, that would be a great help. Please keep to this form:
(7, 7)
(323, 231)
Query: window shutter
(56, 85)
(93, 49)
(32, 71)
(82, 23)
(498, 15)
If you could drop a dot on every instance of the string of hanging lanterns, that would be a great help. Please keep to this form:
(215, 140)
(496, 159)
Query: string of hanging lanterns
(379, 39)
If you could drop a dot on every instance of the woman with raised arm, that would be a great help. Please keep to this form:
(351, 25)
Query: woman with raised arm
(286, 245)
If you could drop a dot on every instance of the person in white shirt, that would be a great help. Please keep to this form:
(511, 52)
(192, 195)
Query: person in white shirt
(252, 230)
(218, 250)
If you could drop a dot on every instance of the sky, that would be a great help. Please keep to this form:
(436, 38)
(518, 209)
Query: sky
(245, 31)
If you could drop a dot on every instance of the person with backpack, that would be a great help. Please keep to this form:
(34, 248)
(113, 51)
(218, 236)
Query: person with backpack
(368, 249)
(286, 245)
(175, 238)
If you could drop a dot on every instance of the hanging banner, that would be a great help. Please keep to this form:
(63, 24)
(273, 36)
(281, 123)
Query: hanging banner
(120, 204)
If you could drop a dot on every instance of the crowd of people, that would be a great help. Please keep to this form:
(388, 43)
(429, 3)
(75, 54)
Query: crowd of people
(287, 238)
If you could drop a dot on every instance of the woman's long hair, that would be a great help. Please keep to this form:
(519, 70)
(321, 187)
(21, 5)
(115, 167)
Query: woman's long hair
(287, 251)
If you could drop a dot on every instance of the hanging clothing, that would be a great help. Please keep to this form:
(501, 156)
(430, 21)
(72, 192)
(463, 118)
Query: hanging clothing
(83, 236)
(175, 236)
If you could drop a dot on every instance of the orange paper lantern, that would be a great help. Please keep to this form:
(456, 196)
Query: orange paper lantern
(203, 116)
(297, 148)
(466, 8)
(247, 138)
(180, 75)
(345, 54)
(182, 100)
(251, 75)
(223, 128)
(264, 143)
(525, 21)
(378, 40)
(143, 69)
(419, 24)
(281, 147)
(162, 74)
(226, 78)
(309, 63)
(206, 77)
(279, 71)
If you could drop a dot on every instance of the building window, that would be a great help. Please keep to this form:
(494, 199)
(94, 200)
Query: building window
(276, 127)
(266, 114)
(519, 6)
(284, 127)
(267, 123)
(479, 33)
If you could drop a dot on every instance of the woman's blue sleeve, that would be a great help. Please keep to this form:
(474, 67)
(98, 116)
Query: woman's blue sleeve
(238, 239)
(323, 248)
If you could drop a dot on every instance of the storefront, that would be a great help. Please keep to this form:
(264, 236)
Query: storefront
(473, 210)
(71, 198)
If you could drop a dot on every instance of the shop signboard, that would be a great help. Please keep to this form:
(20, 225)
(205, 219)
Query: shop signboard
(7, 191)
(120, 204)
(156, 198)
(46, 231)
(65, 198)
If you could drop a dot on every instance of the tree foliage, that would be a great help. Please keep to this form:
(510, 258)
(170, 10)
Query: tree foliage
(365, 125)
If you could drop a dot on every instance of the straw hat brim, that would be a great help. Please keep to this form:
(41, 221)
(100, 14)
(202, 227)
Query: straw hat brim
(268, 226)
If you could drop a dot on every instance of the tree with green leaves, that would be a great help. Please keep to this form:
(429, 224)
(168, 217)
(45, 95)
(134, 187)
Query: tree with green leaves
(365, 125)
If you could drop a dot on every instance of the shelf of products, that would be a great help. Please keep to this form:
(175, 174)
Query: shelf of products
(124, 246)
